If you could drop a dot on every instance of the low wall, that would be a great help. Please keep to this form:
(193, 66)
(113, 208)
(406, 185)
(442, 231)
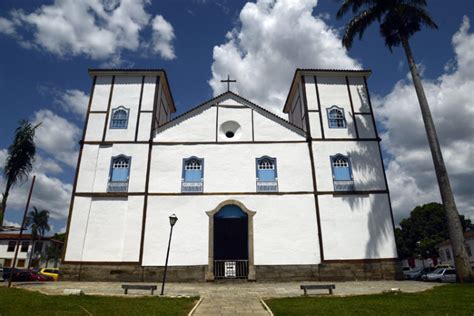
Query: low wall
(382, 269)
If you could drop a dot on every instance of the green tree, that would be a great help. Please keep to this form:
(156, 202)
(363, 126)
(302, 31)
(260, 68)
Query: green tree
(55, 249)
(399, 20)
(423, 230)
(19, 162)
(38, 222)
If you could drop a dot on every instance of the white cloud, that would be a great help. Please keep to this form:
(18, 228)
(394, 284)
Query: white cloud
(57, 136)
(273, 39)
(8, 223)
(49, 193)
(7, 26)
(97, 29)
(410, 170)
(163, 35)
(74, 101)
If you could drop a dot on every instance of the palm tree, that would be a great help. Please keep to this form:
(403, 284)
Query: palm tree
(54, 252)
(38, 221)
(399, 20)
(19, 161)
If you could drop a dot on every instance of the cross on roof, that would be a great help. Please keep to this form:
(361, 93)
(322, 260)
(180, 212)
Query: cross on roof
(228, 81)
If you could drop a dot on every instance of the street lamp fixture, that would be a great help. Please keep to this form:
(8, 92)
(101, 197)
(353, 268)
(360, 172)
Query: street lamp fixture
(173, 219)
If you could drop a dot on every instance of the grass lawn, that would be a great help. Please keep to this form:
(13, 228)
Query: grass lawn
(454, 299)
(22, 302)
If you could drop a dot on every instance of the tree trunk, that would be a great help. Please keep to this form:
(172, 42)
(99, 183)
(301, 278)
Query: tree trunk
(3, 205)
(456, 236)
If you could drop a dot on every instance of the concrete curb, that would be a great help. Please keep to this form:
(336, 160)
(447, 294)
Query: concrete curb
(265, 306)
(195, 306)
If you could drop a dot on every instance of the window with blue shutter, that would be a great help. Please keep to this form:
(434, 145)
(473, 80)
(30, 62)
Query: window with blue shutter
(119, 118)
(336, 118)
(267, 179)
(193, 170)
(342, 173)
(119, 174)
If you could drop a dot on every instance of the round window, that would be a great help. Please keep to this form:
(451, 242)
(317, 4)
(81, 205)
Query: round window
(230, 130)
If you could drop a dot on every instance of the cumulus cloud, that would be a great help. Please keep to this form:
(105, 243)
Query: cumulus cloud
(7, 27)
(410, 168)
(74, 101)
(57, 136)
(163, 36)
(274, 38)
(97, 29)
(49, 192)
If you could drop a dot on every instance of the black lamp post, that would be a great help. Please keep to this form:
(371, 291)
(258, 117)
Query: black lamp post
(173, 220)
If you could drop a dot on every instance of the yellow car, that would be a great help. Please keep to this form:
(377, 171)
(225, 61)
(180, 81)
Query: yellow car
(52, 272)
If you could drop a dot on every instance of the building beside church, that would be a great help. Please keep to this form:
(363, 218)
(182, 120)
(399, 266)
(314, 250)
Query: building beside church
(257, 196)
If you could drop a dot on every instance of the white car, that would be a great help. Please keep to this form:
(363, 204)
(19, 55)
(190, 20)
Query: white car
(441, 275)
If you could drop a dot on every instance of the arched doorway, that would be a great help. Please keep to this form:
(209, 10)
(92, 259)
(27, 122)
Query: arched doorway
(230, 242)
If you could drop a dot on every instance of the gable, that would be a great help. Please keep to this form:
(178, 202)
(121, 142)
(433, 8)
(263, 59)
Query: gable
(218, 118)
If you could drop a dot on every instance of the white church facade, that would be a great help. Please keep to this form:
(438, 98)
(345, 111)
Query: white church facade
(257, 196)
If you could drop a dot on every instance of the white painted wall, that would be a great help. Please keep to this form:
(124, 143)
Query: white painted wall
(367, 167)
(266, 129)
(100, 97)
(243, 116)
(231, 168)
(284, 229)
(199, 128)
(95, 127)
(356, 227)
(95, 166)
(360, 98)
(365, 126)
(144, 127)
(5, 254)
(126, 93)
(105, 229)
(148, 93)
(311, 97)
(444, 258)
(333, 91)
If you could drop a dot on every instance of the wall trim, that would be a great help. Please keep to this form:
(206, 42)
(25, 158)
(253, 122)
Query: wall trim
(148, 165)
(313, 167)
(108, 108)
(352, 107)
(139, 109)
(125, 194)
(376, 260)
(319, 106)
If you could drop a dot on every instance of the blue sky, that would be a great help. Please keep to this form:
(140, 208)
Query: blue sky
(43, 76)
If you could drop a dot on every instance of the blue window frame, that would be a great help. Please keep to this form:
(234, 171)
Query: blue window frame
(193, 172)
(119, 174)
(342, 173)
(119, 118)
(267, 177)
(336, 118)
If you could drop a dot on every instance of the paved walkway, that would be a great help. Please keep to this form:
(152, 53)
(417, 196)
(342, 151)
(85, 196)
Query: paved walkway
(231, 306)
(229, 298)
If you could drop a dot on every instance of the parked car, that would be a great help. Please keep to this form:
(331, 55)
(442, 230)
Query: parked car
(29, 275)
(418, 273)
(52, 272)
(1, 274)
(441, 275)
